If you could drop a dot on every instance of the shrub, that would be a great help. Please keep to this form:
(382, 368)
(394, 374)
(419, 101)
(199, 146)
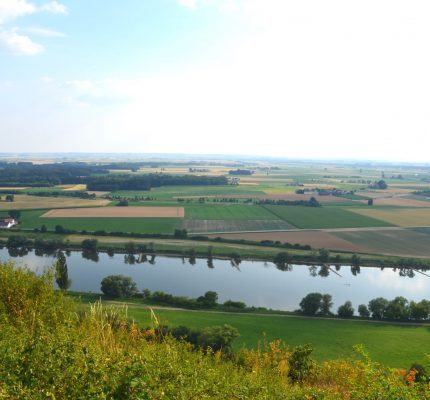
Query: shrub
(118, 286)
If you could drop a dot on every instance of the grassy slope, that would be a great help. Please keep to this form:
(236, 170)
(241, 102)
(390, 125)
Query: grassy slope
(393, 345)
(324, 217)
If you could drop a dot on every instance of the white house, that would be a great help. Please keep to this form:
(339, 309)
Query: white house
(6, 223)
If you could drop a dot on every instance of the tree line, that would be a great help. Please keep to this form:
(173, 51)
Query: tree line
(398, 309)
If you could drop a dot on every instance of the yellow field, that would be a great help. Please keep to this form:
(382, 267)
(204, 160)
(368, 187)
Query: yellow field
(25, 202)
(76, 188)
(405, 217)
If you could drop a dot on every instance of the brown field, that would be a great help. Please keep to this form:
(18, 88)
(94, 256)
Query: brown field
(399, 201)
(378, 194)
(404, 217)
(316, 239)
(117, 212)
(26, 202)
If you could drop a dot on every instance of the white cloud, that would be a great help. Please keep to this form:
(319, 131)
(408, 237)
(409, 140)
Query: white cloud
(10, 9)
(188, 3)
(54, 7)
(19, 44)
(44, 32)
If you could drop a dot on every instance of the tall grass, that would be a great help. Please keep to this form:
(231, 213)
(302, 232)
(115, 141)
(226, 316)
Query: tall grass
(53, 349)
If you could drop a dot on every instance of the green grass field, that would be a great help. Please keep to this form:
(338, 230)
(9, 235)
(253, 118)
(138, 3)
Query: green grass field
(32, 219)
(323, 217)
(234, 225)
(393, 345)
(171, 192)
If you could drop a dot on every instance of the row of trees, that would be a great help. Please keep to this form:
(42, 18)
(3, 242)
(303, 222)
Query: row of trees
(116, 182)
(379, 308)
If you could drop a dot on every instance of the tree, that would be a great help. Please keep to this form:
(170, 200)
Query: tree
(370, 202)
(61, 273)
(10, 197)
(326, 304)
(15, 214)
(180, 233)
(59, 229)
(43, 228)
(324, 255)
(363, 311)
(346, 310)
(311, 303)
(420, 310)
(118, 286)
(209, 299)
(377, 307)
(355, 260)
(89, 244)
(397, 309)
(282, 260)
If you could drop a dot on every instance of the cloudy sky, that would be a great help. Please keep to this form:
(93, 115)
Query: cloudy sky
(291, 78)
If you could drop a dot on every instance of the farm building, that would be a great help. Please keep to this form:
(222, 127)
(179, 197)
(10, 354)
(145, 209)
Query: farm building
(6, 223)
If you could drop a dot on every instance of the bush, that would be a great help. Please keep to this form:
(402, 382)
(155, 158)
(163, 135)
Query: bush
(118, 286)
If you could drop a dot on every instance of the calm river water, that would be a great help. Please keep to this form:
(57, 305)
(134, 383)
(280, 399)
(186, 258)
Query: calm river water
(253, 282)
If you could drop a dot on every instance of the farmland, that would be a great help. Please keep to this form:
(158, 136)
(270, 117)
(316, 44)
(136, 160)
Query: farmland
(325, 217)
(406, 217)
(116, 212)
(23, 202)
(235, 211)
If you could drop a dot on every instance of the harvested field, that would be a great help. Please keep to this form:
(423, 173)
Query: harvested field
(76, 188)
(213, 225)
(316, 239)
(405, 217)
(401, 242)
(28, 202)
(324, 217)
(117, 212)
(400, 202)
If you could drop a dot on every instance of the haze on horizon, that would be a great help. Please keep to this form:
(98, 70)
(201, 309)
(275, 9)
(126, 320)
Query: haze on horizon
(283, 78)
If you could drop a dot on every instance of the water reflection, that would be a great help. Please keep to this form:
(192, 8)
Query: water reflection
(280, 286)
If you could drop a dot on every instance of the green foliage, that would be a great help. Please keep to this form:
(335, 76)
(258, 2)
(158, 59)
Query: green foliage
(61, 272)
(346, 310)
(363, 311)
(52, 349)
(301, 365)
(316, 303)
(16, 214)
(118, 286)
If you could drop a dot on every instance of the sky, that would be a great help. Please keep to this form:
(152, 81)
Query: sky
(283, 78)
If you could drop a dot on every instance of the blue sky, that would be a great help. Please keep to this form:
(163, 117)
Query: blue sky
(332, 79)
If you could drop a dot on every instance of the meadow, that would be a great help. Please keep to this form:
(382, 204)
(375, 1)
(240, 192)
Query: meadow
(393, 345)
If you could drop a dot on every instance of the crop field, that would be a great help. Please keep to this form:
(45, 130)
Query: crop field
(33, 219)
(404, 242)
(316, 239)
(25, 202)
(405, 217)
(331, 339)
(324, 217)
(233, 225)
(400, 202)
(173, 192)
(233, 211)
(116, 212)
